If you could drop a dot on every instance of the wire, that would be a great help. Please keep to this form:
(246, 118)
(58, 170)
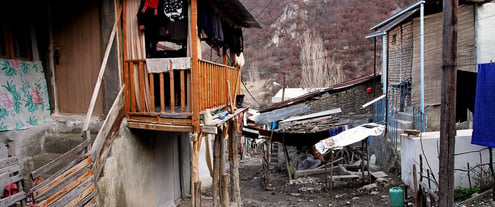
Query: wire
(244, 84)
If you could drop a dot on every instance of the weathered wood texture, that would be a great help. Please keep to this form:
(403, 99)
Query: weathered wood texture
(235, 137)
(433, 53)
(71, 186)
(9, 171)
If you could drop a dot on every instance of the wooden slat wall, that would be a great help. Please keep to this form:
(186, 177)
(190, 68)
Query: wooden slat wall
(433, 53)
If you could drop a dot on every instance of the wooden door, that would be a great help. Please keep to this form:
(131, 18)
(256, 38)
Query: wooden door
(77, 54)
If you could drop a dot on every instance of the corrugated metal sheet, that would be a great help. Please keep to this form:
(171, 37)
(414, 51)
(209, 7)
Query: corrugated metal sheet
(433, 53)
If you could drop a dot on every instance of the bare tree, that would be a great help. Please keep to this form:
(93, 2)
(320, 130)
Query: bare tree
(318, 70)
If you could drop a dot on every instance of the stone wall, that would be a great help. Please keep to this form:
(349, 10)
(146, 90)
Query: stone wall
(349, 100)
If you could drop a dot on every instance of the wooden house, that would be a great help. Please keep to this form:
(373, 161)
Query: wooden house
(139, 64)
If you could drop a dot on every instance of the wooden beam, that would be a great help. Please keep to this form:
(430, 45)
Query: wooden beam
(162, 93)
(182, 92)
(133, 88)
(216, 168)
(127, 86)
(225, 190)
(160, 127)
(96, 90)
(234, 168)
(172, 88)
(448, 103)
(64, 175)
(142, 86)
(59, 160)
(152, 92)
(54, 197)
(195, 68)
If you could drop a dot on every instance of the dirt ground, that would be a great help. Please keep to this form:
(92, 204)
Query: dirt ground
(303, 191)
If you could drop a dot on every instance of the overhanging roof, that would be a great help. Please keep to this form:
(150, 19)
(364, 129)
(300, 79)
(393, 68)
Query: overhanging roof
(389, 23)
(234, 12)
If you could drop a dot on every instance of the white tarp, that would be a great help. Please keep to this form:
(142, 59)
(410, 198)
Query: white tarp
(350, 136)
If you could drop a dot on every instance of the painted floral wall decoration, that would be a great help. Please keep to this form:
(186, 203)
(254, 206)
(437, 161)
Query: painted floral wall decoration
(23, 95)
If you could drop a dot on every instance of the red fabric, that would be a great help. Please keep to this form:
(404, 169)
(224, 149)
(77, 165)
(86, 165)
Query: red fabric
(151, 3)
(10, 190)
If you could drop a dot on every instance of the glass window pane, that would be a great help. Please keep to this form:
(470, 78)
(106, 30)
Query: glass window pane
(20, 42)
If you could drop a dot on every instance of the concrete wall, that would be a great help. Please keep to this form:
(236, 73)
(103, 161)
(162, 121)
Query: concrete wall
(485, 43)
(411, 149)
(145, 169)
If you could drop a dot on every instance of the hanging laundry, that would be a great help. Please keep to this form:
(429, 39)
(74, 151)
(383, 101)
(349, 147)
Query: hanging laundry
(147, 14)
(174, 9)
(484, 107)
(210, 26)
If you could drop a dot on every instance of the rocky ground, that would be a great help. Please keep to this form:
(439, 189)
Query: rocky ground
(303, 191)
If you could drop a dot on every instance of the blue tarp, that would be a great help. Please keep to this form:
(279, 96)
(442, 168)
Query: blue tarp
(484, 107)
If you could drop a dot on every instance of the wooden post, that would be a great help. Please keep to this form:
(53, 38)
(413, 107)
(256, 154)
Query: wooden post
(362, 159)
(225, 191)
(216, 167)
(492, 171)
(415, 180)
(469, 176)
(234, 167)
(196, 138)
(197, 187)
(287, 163)
(195, 64)
(266, 164)
(448, 103)
(222, 161)
(331, 174)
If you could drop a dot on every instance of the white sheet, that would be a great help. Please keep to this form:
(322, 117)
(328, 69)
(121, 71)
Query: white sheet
(350, 136)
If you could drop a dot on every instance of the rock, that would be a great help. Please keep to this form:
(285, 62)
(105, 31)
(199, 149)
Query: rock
(355, 198)
(348, 203)
(329, 205)
(311, 200)
(319, 205)
(374, 193)
(339, 196)
(382, 180)
(369, 187)
(295, 194)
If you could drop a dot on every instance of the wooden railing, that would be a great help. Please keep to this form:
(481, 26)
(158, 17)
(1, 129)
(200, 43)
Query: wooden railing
(168, 95)
(216, 82)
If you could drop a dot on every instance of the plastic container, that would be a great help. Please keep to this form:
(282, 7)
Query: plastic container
(396, 197)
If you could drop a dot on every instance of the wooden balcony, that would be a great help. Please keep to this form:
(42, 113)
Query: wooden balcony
(160, 96)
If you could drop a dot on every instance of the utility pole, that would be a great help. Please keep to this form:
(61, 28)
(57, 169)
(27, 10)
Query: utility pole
(283, 90)
(448, 107)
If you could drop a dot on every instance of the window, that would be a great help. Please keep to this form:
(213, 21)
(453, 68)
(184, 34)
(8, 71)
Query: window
(15, 42)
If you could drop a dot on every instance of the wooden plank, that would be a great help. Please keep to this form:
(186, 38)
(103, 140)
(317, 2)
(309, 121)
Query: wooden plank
(91, 203)
(107, 125)
(172, 89)
(10, 169)
(188, 95)
(141, 86)
(11, 200)
(61, 159)
(57, 195)
(103, 66)
(209, 129)
(152, 92)
(62, 185)
(87, 200)
(58, 173)
(86, 194)
(9, 180)
(74, 193)
(162, 93)
(127, 87)
(64, 175)
(182, 92)
(160, 127)
(163, 118)
(133, 87)
(8, 162)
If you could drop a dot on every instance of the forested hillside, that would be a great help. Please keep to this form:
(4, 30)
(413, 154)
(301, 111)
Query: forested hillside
(300, 34)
